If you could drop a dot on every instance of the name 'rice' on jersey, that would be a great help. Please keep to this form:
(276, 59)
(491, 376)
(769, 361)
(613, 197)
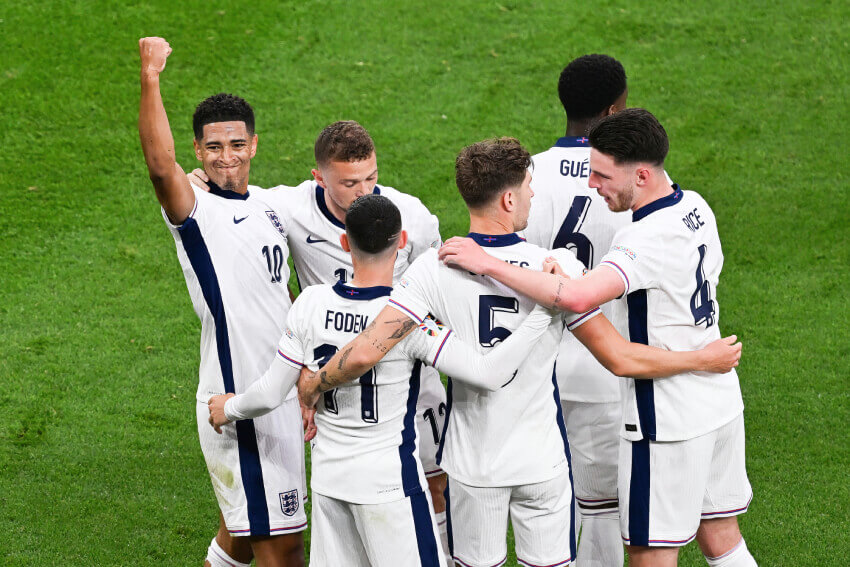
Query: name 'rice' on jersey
(365, 449)
(233, 253)
(314, 232)
(567, 213)
(669, 259)
(514, 435)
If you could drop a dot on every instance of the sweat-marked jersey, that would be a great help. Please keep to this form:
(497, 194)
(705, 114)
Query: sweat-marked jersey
(516, 434)
(567, 213)
(669, 259)
(233, 253)
(366, 447)
(313, 232)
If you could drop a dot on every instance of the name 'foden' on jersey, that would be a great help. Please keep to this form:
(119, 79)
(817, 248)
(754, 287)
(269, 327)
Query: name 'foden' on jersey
(345, 322)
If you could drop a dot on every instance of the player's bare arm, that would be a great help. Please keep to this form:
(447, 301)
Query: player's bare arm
(358, 356)
(172, 188)
(633, 360)
(554, 290)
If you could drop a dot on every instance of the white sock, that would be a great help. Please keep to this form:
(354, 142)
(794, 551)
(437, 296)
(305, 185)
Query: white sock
(442, 526)
(217, 557)
(738, 556)
(600, 544)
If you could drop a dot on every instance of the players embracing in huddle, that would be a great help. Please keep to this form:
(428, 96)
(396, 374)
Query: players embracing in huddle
(521, 393)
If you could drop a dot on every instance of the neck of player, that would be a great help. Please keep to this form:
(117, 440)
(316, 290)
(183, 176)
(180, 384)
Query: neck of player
(371, 271)
(490, 224)
(656, 188)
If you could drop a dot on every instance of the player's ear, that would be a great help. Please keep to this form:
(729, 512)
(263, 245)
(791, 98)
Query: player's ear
(343, 240)
(317, 175)
(253, 146)
(508, 200)
(642, 174)
(402, 239)
(197, 149)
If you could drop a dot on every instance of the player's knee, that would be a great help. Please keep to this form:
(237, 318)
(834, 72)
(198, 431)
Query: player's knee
(217, 557)
(717, 536)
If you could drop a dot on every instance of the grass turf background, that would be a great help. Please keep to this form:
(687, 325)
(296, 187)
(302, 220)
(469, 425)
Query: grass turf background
(99, 463)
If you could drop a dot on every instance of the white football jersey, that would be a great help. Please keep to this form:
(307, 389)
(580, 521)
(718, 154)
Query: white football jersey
(670, 259)
(567, 213)
(313, 232)
(516, 434)
(366, 447)
(233, 253)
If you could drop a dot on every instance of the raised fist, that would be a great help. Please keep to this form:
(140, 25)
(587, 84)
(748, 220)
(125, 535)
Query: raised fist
(153, 51)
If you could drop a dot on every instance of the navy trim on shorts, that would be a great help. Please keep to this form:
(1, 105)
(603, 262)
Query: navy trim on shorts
(425, 539)
(562, 426)
(639, 494)
(246, 436)
(644, 389)
(451, 540)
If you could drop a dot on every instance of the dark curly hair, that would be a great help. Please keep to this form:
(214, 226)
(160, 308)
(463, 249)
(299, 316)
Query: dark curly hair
(484, 170)
(373, 224)
(345, 140)
(222, 108)
(590, 84)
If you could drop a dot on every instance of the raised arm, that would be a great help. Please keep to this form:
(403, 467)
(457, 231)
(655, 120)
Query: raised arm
(578, 295)
(633, 360)
(359, 355)
(172, 188)
(493, 370)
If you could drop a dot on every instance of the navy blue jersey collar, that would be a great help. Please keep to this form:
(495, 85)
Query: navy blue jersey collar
(216, 190)
(658, 204)
(361, 293)
(323, 206)
(495, 240)
(573, 142)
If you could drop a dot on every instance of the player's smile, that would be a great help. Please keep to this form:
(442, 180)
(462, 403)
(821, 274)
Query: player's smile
(226, 151)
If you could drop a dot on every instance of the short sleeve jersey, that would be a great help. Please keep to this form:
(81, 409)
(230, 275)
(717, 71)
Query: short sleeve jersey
(566, 213)
(314, 232)
(516, 434)
(669, 259)
(366, 447)
(233, 253)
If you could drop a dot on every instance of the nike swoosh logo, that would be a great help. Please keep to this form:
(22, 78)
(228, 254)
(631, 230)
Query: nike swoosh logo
(237, 221)
(311, 240)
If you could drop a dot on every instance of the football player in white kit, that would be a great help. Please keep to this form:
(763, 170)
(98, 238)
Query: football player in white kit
(233, 256)
(567, 213)
(506, 452)
(313, 216)
(370, 502)
(682, 472)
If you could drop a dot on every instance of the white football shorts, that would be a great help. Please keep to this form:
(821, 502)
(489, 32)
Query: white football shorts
(542, 515)
(594, 433)
(257, 470)
(667, 488)
(401, 533)
(431, 417)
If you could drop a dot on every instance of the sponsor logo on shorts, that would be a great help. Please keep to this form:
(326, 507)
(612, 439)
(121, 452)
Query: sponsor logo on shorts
(289, 502)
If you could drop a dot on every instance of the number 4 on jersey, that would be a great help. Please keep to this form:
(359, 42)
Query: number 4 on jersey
(702, 306)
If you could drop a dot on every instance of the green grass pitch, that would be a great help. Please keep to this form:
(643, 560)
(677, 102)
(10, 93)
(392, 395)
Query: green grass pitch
(99, 459)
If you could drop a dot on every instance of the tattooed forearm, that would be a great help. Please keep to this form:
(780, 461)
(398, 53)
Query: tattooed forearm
(558, 299)
(344, 357)
(325, 383)
(407, 326)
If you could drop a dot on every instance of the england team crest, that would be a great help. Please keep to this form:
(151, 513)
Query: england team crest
(289, 502)
(276, 222)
